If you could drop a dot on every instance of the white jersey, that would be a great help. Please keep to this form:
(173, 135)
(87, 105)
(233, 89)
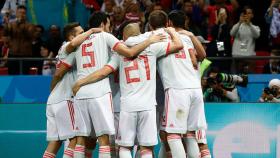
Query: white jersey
(138, 76)
(176, 70)
(180, 73)
(115, 87)
(91, 56)
(63, 89)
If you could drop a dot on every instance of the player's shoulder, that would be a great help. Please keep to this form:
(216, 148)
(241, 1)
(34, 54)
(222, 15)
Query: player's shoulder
(62, 51)
(131, 41)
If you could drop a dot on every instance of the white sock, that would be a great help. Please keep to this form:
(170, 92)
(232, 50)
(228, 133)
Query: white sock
(79, 151)
(48, 155)
(88, 153)
(176, 146)
(146, 153)
(205, 153)
(192, 146)
(68, 153)
(104, 151)
(125, 153)
(162, 152)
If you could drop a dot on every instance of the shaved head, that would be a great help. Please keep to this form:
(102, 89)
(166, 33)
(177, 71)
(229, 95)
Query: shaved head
(131, 29)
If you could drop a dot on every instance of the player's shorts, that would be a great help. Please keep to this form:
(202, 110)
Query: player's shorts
(95, 116)
(184, 111)
(60, 121)
(140, 124)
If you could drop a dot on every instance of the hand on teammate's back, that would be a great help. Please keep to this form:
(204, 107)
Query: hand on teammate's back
(76, 88)
(154, 38)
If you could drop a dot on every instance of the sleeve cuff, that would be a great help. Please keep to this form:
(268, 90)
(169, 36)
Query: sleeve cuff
(167, 49)
(66, 64)
(115, 46)
(111, 68)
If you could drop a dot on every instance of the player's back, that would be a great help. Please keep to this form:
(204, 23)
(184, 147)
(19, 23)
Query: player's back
(176, 70)
(63, 89)
(91, 56)
(138, 77)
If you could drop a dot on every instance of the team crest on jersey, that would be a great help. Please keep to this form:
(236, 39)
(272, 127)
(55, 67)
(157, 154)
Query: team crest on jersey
(171, 125)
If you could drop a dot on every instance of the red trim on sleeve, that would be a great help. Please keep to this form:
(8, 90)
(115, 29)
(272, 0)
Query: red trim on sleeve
(116, 45)
(111, 68)
(65, 64)
(167, 49)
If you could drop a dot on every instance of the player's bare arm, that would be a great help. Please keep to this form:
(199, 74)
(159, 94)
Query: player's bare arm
(78, 40)
(58, 75)
(176, 43)
(201, 54)
(123, 50)
(193, 59)
(93, 77)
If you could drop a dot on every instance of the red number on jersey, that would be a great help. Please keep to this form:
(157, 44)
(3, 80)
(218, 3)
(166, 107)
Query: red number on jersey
(90, 54)
(147, 67)
(135, 67)
(181, 54)
(127, 69)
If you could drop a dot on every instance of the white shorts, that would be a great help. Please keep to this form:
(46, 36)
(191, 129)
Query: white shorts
(95, 116)
(184, 111)
(60, 121)
(141, 124)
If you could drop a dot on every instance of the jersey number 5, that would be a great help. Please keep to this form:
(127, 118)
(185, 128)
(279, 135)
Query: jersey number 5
(135, 67)
(90, 54)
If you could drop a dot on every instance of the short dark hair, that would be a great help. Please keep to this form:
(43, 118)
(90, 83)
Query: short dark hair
(158, 19)
(41, 27)
(69, 29)
(177, 18)
(21, 7)
(97, 18)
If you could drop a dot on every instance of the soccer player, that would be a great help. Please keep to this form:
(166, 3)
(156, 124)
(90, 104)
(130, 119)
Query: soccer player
(137, 84)
(183, 94)
(94, 100)
(60, 110)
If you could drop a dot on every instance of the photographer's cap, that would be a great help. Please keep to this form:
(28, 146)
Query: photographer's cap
(274, 82)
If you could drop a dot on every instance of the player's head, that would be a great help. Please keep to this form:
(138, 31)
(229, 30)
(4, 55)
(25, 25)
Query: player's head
(131, 29)
(101, 20)
(157, 19)
(21, 13)
(72, 30)
(176, 19)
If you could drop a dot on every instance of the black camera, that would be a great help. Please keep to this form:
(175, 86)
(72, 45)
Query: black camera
(272, 91)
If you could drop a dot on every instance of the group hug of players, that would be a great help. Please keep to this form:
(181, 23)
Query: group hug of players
(114, 87)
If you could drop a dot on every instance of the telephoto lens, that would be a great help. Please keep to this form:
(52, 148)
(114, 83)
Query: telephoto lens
(240, 80)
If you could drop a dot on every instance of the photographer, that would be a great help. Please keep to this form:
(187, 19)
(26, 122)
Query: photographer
(272, 92)
(216, 91)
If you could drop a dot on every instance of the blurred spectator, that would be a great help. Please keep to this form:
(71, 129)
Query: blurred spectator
(36, 47)
(220, 45)
(245, 34)
(108, 6)
(54, 41)
(273, 67)
(19, 35)
(195, 21)
(218, 92)
(272, 92)
(116, 20)
(48, 65)
(9, 10)
(211, 10)
(273, 19)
